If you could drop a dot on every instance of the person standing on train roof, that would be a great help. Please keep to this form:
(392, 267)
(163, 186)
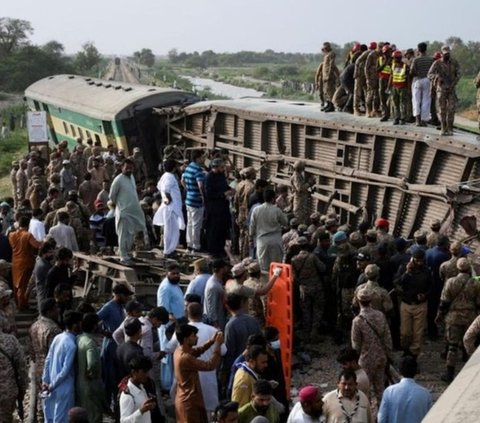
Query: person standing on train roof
(169, 214)
(129, 216)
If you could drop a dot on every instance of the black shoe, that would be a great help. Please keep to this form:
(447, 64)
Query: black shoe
(384, 119)
(402, 122)
(329, 108)
(396, 121)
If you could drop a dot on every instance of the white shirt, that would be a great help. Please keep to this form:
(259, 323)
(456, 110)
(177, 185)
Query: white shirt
(333, 412)
(64, 236)
(37, 229)
(130, 405)
(297, 415)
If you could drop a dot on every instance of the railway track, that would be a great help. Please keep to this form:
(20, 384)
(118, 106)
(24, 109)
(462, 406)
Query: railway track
(123, 73)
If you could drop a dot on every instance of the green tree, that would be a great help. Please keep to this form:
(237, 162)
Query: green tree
(54, 47)
(88, 59)
(13, 34)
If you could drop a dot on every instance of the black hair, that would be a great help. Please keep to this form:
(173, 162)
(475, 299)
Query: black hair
(218, 264)
(196, 154)
(193, 298)
(85, 308)
(173, 266)
(61, 287)
(195, 310)
(262, 387)
(271, 333)
(234, 301)
(261, 183)
(408, 367)
(37, 212)
(254, 351)
(89, 321)
(347, 375)
(128, 162)
(64, 254)
(269, 195)
(257, 339)
(422, 47)
(169, 165)
(63, 216)
(223, 409)
(23, 222)
(47, 305)
(184, 331)
(47, 246)
(159, 313)
(71, 318)
(140, 362)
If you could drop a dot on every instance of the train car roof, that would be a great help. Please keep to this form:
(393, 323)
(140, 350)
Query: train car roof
(308, 112)
(102, 99)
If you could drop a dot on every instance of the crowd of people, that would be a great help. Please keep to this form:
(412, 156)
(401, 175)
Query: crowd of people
(210, 348)
(379, 80)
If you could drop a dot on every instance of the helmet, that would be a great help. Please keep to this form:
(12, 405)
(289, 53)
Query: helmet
(397, 54)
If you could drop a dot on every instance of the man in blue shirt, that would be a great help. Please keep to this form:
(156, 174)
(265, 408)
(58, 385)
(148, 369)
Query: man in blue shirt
(170, 296)
(202, 274)
(192, 180)
(406, 401)
(58, 379)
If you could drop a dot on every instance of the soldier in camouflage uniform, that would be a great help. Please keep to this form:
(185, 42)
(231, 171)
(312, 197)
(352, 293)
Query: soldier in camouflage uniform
(319, 84)
(140, 172)
(371, 338)
(243, 190)
(329, 76)
(300, 192)
(41, 335)
(22, 181)
(308, 273)
(380, 300)
(477, 86)
(371, 77)
(432, 237)
(448, 269)
(371, 248)
(8, 310)
(11, 360)
(78, 163)
(13, 180)
(459, 303)
(343, 280)
(360, 89)
(444, 75)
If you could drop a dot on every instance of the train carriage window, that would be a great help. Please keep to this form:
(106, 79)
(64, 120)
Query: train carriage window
(97, 138)
(80, 132)
(65, 127)
(73, 130)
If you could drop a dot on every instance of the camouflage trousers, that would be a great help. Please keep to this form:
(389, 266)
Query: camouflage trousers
(446, 106)
(312, 308)
(383, 97)
(359, 94)
(243, 240)
(344, 308)
(300, 208)
(328, 89)
(400, 101)
(372, 99)
(454, 335)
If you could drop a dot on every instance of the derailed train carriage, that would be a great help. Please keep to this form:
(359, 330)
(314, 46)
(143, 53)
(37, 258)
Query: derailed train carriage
(362, 168)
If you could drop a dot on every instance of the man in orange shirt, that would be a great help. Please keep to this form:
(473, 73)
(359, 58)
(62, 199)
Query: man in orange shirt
(24, 246)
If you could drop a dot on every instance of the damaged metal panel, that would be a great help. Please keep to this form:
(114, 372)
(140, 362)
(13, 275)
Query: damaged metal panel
(407, 174)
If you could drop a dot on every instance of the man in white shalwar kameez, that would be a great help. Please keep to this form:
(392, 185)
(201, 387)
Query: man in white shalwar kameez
(169, 215)
(129, 216)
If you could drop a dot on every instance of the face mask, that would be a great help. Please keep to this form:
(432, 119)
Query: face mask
(275, 345)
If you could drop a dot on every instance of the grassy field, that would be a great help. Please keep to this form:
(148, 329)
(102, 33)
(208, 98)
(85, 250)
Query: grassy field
(12, 148)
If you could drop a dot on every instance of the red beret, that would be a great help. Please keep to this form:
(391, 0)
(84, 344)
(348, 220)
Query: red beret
(381, 222)
(373, 45)
(309, 393)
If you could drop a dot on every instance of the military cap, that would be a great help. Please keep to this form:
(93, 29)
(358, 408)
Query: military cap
(331, 222)
(445, 49)
(339, 236)
(253, 267)
(435, 223)
(302, 228)
(4, 204)
(15, 163)
(463, 265)
(381, 222)
(247, 261)
(294, 222)
(315, 216)
(355, 237)
(372, 46)
(372, 271)
(299, 165)
(250, 171)
(364, 294)
(238, 270)
(302, 240)
(371, 233)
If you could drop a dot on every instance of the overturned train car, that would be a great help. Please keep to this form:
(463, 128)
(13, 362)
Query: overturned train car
(362, 169)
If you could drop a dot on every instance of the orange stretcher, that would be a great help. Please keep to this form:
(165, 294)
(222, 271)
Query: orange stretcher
(280, 315)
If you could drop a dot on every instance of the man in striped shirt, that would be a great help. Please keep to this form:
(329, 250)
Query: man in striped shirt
(192, 180)
(421, 97)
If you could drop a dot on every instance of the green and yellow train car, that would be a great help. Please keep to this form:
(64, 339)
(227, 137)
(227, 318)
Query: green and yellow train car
(111, 112)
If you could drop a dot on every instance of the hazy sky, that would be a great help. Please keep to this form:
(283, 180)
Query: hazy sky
(121, 27)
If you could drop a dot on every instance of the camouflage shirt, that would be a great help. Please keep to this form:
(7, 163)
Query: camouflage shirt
(462, 293)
